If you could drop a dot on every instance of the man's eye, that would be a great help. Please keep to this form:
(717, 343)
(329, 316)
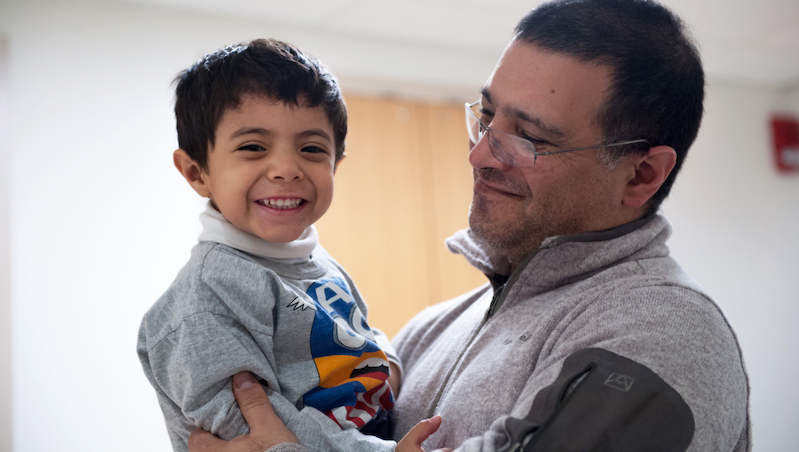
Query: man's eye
(252, 148)
(539, 144)
(314, 150)
(485, 116)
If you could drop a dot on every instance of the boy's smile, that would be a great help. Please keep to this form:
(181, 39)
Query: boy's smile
(270, 170)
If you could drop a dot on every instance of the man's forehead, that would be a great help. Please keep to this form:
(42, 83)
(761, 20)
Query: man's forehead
(551, 89)
(523, 112)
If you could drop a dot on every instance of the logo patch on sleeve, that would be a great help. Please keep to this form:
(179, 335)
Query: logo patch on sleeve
(621, 382)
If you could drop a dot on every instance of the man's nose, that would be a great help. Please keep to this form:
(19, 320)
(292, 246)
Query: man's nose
(481, 155)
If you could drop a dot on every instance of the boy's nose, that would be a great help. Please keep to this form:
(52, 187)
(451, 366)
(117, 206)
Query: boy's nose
(283, 166)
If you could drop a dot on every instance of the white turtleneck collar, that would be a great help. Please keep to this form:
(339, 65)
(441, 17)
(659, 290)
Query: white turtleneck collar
(216, 228)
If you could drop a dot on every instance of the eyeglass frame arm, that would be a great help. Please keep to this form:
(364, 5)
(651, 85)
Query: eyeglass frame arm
(535, 152)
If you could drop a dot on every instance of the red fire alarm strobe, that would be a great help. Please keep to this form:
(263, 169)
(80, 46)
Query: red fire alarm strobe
(786, 143)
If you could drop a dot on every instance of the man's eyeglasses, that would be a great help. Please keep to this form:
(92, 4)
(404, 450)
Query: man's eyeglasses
(513, 150)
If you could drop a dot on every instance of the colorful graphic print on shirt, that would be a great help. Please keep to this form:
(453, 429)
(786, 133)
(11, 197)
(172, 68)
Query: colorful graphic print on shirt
(352, 369)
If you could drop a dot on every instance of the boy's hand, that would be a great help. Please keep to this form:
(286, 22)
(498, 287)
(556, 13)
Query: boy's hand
(266, 429)
(412, 441)
(394, 379)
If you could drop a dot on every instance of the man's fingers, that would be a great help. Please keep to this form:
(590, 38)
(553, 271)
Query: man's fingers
(265, 426)
(412, 441)
(252, 400)
(202, 441)
(266, 429)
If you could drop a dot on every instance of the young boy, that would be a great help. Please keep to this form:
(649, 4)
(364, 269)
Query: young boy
(261, 130)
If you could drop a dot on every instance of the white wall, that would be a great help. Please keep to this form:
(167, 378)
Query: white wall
(99, 222)
(736, 225)
(5, 293)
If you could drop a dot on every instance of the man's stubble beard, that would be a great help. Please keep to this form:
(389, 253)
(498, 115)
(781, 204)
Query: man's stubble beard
(512, 235)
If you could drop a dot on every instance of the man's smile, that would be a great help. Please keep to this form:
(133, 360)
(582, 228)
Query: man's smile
(488, 182)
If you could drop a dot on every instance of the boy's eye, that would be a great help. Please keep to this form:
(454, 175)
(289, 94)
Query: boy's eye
(314, 150)
(252, 148)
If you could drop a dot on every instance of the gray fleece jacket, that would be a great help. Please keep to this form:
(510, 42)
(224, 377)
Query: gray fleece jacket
(483, 357)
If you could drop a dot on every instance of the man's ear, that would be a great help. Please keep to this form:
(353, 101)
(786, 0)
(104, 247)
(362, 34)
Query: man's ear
(192, 172)
(651, 170)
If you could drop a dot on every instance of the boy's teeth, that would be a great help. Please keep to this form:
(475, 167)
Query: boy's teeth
(281, 203)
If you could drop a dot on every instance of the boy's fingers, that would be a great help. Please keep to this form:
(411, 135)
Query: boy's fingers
(412, 441)
(265, 426)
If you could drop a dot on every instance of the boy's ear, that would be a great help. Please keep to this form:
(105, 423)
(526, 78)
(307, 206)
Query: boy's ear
(335, 166)
(192, 172)
(651, 170)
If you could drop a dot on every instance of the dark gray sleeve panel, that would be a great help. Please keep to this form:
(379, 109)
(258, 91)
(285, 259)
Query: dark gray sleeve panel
(604, 402)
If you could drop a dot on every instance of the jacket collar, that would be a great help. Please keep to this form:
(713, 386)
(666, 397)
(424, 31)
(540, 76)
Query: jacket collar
(568, 258)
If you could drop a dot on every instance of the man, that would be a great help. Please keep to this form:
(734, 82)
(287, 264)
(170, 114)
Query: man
(589, 336)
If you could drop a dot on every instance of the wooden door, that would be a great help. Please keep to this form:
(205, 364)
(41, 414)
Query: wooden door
(404, 187)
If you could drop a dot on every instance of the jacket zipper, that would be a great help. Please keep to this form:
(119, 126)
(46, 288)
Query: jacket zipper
(437, 398)
(500, 293)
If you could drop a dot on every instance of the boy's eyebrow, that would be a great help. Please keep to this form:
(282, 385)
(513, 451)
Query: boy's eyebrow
(315, 132)
(267, 132)
(249, 131)
(550, 130)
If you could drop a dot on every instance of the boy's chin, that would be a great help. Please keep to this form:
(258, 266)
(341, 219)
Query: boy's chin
(282, 237)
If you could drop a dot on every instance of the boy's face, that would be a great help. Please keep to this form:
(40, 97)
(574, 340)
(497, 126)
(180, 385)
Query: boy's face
(271, 169)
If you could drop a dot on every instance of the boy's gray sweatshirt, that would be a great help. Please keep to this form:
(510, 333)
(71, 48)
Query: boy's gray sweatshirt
(298, 324)
(484, 356)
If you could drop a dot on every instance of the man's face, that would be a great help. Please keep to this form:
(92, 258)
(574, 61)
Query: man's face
(547, 98)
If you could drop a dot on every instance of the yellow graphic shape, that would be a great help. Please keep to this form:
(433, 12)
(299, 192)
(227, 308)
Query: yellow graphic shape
(336, 370)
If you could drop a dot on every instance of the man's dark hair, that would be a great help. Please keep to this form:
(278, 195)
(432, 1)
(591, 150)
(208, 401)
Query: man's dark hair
(272, 68)
(657, 86)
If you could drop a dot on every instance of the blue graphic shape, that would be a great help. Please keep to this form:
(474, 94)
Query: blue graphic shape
(338, 318)
(327, 399)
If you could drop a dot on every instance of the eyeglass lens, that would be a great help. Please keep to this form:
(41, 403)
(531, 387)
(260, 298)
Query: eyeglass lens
(513, 151)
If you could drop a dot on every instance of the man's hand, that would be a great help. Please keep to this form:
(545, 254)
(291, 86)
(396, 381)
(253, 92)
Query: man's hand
(266, 429)
(412, 441)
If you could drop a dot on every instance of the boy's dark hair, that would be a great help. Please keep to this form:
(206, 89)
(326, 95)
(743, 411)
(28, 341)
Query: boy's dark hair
(657, 86)
(267, 67)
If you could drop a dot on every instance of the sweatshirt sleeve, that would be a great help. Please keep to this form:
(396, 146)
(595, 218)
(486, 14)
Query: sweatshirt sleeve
(190, 352)
(198, 335)
(288, 447)
(191, 369)
(599, 401)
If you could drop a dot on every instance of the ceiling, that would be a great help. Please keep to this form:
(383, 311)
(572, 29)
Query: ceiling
(755, 41)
